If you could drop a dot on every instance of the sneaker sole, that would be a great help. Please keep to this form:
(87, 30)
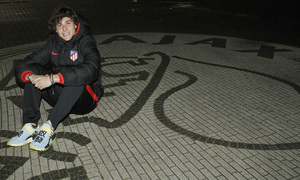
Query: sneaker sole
(48, 145)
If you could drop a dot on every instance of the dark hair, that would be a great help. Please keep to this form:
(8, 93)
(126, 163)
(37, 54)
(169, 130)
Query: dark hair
(60, 13)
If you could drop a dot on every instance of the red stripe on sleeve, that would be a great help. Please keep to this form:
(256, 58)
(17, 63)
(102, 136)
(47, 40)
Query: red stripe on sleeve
(24, 74)
(61, 78)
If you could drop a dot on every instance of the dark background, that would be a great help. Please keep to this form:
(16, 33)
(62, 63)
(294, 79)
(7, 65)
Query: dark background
(26, 21)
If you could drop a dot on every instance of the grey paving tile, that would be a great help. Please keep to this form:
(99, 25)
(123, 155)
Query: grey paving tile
(115, 174)
(161, 175)
(150, 172)
(239, 176)
(132, 172)
(152, 163)
(105, 173)
(136, 165)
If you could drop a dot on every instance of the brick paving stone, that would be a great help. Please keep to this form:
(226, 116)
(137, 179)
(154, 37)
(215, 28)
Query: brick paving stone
(151, 162)
(285, 174)
(27, 176)
(145, 176)
(140, 138)
(115, 174)
(178, 163)
(255, 174)
(69, 165)
(296, 176)
(105, 173)
(150, 172)
(246, 174)
(208, 174)
(194, 161)
(166, 158)
(95, 176)
(282, 165)
(210, 168)
(161, 175)
(44, 165)
(36, 170)
(165, 168)
(112, 143)
(178, 172)
(239, 176)
(132, 172)
(152, 152)
(181, 148)
(191, 176)
(137, 155)
(136, 165)
(179, 155)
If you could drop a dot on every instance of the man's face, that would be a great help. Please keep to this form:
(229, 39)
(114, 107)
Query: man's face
(65, 28)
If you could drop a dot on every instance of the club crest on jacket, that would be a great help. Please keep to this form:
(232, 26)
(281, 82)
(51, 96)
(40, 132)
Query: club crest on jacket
(73, 55)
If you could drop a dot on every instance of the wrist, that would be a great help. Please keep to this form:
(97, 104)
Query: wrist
(51, 79)
(28, 76)
(55, 78)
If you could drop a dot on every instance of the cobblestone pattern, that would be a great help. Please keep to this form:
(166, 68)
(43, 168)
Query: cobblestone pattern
(176, 106)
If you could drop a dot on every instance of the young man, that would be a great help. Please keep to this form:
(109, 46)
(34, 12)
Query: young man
(65, 73)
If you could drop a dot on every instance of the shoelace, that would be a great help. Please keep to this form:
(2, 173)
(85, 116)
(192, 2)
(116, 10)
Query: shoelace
(40, 136)
(20, 133)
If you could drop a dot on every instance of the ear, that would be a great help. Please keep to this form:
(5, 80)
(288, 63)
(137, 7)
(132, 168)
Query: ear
(75, 26)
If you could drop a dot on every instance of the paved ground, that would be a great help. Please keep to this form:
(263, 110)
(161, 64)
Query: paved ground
(193, 91)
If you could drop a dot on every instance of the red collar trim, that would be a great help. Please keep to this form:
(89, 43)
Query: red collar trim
(78, 27)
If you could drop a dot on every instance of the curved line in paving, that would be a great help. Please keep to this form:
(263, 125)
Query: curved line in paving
(141, 100)
(159, 113)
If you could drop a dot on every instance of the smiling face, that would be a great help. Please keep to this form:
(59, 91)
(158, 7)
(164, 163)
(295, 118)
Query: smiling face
(65, 28)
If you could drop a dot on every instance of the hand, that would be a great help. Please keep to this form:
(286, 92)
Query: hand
(40, 81)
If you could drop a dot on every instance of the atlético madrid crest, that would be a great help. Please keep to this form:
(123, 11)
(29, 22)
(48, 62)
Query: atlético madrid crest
(73, 55)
